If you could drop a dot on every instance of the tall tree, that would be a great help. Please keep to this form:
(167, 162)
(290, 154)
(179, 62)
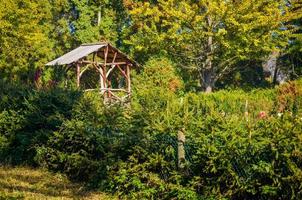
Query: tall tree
(61, 31)
(24, 44)
(34, 31)
(91, 20)
(209, 35)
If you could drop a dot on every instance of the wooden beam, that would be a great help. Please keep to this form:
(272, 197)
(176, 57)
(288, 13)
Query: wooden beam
(100, 63)
(110, 70)
(101, 80)
(105, 55)
(78, 75)
(113, 60)
(104, 66)
(117, 63)
(112, 66)
(96, 67)
(107, 89)
(125, 75)
(86, 67)
(181, 149)
(114, 90)
(128, 79)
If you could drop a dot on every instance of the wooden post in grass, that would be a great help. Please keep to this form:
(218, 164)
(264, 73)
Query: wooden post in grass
(181, 149)
(246, 111)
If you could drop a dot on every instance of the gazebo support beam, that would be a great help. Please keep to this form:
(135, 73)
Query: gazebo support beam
(128, 79)
(78, 74)
(106, 93)
(100, 63)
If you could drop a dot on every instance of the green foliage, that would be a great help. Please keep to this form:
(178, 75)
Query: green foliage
(158, 73)
(24, 39)
(150, 176)
(231, 151)
(91, 21)
(240, 160)
(209, 35)
(132, 151)
(33, 32)
(230, 157)
(75, 150)
(162, 81)
(88, 144)
(29, 118)
(293, 53)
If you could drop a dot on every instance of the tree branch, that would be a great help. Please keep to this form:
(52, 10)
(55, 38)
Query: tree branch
(224, 70)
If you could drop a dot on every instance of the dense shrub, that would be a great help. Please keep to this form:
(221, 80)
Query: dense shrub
(228, 158)
(147, 175)
(86, 146)
(229, 154)
(29, 117)
(249, 161)
(159, 72)
(132, 150)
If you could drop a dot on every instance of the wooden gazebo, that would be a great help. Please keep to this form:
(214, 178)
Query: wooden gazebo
(111, 65)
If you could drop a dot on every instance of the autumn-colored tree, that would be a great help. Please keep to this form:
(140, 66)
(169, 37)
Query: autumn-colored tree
(210, 35)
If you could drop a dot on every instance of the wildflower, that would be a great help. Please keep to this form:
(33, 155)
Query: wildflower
(262, 114)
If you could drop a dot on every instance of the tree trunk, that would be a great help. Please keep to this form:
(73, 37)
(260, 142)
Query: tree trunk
(208, 81)
(272, 69)
(208, 73)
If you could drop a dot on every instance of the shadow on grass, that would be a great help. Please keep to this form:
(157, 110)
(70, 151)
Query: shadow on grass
(20, 183)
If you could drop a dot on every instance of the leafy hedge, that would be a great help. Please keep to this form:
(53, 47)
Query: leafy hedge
(29, 117)
(132, 150)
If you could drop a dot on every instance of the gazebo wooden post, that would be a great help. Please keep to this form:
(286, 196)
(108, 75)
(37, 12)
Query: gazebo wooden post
(109, 86)
(101, 81)
(107, 92)
(128, 79)
(100, 70)
(78, 74)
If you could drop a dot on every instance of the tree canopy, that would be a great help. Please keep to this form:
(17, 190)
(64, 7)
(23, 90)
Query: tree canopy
(206, 40)
(169, 141)
(211, 36)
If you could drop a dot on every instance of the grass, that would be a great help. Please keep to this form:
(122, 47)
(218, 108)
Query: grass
(27, 183)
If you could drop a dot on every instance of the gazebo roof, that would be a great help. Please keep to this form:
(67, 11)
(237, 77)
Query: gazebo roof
(86, 49)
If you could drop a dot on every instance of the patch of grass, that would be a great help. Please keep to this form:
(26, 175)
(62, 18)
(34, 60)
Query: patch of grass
(27, 183)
